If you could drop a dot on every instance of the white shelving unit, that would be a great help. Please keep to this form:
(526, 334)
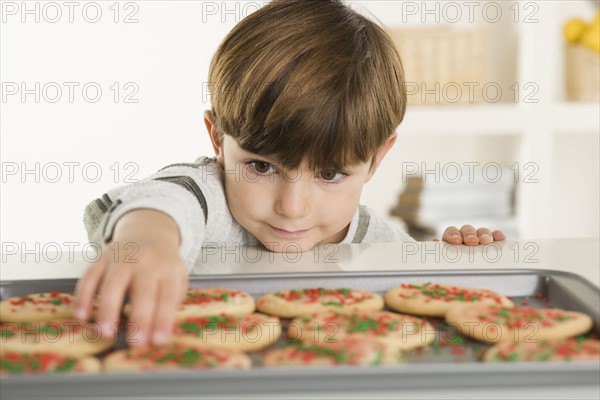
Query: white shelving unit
(561, 138)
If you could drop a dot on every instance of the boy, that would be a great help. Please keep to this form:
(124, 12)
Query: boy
(306, 98)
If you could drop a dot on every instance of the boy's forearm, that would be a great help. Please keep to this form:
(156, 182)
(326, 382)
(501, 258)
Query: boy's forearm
(147, 225)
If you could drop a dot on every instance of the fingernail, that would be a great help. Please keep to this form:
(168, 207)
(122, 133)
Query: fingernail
(81, 314)
(455, 236)
(472, 238)
(159, 337)
(486, 238)
(105, 329)
(140, 339)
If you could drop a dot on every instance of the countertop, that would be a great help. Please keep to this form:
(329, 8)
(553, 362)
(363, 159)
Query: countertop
(579, 256)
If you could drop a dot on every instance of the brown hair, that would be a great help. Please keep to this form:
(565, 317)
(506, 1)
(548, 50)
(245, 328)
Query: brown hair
(308, 79)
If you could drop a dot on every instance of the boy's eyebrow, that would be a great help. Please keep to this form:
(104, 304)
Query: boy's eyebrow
(276, 163)
(248, 154)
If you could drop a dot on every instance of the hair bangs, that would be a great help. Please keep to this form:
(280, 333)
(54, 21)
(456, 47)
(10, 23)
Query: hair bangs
(323, 88)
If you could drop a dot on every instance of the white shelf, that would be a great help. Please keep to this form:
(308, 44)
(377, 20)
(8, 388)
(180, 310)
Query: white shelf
(485, 119)
(560, 138)
(577, 117)
(498, 119)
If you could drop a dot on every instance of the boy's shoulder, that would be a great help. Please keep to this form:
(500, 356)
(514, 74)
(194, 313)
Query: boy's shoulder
(201, 163)
(367, 226)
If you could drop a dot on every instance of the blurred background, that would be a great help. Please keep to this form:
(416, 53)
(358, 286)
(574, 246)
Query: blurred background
(502, 128)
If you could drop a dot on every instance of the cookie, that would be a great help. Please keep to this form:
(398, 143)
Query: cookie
(245, 333)
(66, 337)
(173, 356)
(397, 331)
(41, 363)
(297, 302)
(571, 349)
(38, 307)
(492, 323)
(344, 352)
(212, 301)
(434, 299)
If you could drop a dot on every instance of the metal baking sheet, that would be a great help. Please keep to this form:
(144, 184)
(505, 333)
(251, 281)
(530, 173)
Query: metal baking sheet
(443, 365)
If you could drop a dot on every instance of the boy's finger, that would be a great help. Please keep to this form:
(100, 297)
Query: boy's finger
(469, 235)
(168, 301)
(110, 299)
(144, 297)
(485, 236)
(452, 235)
(86, 287)
(498, 235)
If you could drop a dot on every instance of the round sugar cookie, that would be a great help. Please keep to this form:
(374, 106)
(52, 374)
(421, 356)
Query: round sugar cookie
(38, 307)
(297, 302)
(43, 362)
(397, 331)
(244, 333)
(212, 301)
(571, 349)
(344, 352)
(173, 356)
(67, 337)
(435, 299)
(492, 323)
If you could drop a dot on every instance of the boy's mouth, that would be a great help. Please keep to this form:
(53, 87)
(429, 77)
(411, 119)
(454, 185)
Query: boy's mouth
(288, 233)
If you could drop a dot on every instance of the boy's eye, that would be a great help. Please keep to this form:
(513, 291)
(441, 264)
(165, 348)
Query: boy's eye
(261, 167)
(330, 175)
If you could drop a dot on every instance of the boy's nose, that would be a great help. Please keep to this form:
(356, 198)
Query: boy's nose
(293, 199)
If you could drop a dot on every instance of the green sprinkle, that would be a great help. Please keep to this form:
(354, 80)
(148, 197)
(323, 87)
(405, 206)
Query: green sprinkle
(213, 363)
(9, 366)
(377, 360)
(332, 303)
(455, 340)
(190, 357)
(544, 356)
(35, 365)
(68, 365)
(189, 327)
(8, 333)
(165, 358)
(364, 325)
(56, 302)
(340, 355)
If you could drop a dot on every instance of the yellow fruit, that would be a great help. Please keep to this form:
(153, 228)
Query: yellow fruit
(573, 30)
(591, 38)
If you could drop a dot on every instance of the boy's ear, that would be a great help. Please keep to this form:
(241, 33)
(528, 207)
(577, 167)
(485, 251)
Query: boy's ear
(213, 134)
(381, 153)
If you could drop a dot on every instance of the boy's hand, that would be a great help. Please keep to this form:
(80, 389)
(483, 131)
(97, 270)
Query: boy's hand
(470, 236)
(144, 260)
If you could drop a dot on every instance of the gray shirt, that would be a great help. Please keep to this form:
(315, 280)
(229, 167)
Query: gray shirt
(193, 195)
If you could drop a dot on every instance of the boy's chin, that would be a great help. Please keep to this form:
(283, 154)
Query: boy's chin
(291, 246)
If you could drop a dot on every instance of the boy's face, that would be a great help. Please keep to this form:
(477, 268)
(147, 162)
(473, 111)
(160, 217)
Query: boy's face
(290, 210)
